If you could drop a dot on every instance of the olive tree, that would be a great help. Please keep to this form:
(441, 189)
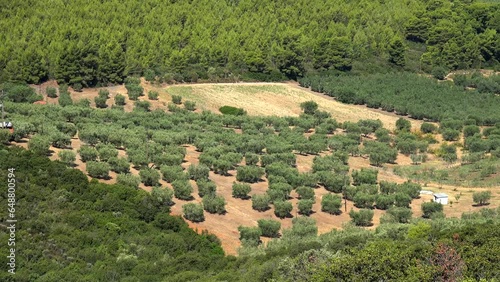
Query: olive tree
(67, 157)
(250, 235)
(269, 227)
(249, 174)
(430, 208)
(260, 202)
(241, 190)
(119, 165)
(206, 187)
(362, 217)
(481, 198)
(305, 193)
(88, 153)
(98, 169)
(305, 207)
(163, 195)
(214, 204)
(282, 209)
(309, 107)
(182, 190)
(193, 212)
(128, 180)
(149, 176)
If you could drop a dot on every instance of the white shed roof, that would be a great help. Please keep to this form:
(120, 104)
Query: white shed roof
(440, 195)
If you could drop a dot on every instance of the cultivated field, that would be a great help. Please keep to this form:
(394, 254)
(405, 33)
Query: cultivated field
(281, 99)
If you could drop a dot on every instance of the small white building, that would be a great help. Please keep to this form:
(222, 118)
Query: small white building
(441, 198)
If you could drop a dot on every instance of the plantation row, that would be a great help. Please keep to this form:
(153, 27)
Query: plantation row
(410, 94)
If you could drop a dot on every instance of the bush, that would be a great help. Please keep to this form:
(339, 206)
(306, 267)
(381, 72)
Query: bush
(383, 202)
(88, 153)
(98, 169)
(182, 190)
(481, 198)
(119, 165)
(134, 91)
(364, 176)
(260, 202)
(106, 152)
(214, 204)
(100, 102)
(364, 200)
(251, 159)
(128, 180)
(153, 95)
(149, 176)
(5, 136)
(60, 140)
(403, 124)
(331, 204)
(228, 110)
(282, 209)
(309, 107)
(172, 173)
(362, 217)
(176, 99)
(430, 208)
(197, 172)
(439, 72)
(241, 190)
(162, 195)
(249, 174)
(206, 187)
(119, 100)
(67, 157)
(250, 235)
(305, 193)
(450, 134)
(269, 227)
(400, 215)
(193, 212)
(190, 105)
(78, 87)
(305, 207)
(142, 105)
(471, 130)
(65, 99)
(402, 200)
(51, 92)
(428, 127)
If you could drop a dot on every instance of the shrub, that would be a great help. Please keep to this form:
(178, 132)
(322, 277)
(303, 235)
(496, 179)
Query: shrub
(206, 187)
(412, 189)
(134, 91)
(402, 200)
(364, 200)
(481, 198)
(250, 235)
(305, 193)
(176, 99)
(189, 105)
(193, 212)
(282, 209)
(106, 152)
(251, 159)
(471, 130)
(98, 169)
(78, 87)
(214, 204)
(450, 134)
(120, 100)
(305, 206)
(128, 180)
(67, 157)
(260, 202)
(430, 208)
(331, 204)
(383, 202)
(60, 140)
(100, 102)
(241, 190)
(400, 215)
(153, 95)
(269, 227)
(142, 105)
(309, 107)
(4, 136)
(162, 195)
(119, 165)
(439, 72)
(428, 127)
(228, 110)
(51, 92)
(364, 176)
(197, 172)
(65, 99)
(249, 174)
(88, 153)
(403, 124)
(362, 217)
(149, 176)
(66, 128)
(182, 190)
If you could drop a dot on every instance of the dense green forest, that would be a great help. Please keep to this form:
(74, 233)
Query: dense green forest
(74, 230)
(88, 43)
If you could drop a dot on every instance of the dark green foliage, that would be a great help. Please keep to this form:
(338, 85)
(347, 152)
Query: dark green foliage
(134, 91)
(403, 124)
(412, 189)
(250, 235)
(153, 95)
(142, 106)
(428, 127)
(193, 212)
(51, 92)
(65, 99)
(214, 204)
(176, 99)
(383, 202)
(364, 176)
(362, 217)
(402, 200)
(260, 202)
(269, 228)
(182, 190)
(249, 174)
(4, 136)
(450, 134)
(229, 110)
(400, 215)
(331, 204)
(251, 159)
(98, 169)
(241, 190)
(282, 209)
(309, 107)
(197, 172)
(471, 130)
(305, 193)
(397, 52)
(206, 187)
(305, 206)
(363, 200)
(439, 72)
(481, 198)
(149, 176)
(119, 100)
(100, 102)
(189, 105)
(430, 208)
(88, 153)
